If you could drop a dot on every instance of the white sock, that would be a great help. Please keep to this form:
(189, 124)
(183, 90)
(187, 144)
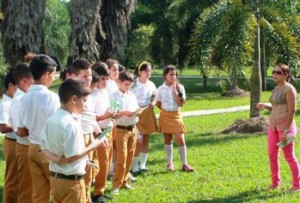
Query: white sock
(143, 160)
(112, 169)
(135, 164)
(183, 154)
(169, 151)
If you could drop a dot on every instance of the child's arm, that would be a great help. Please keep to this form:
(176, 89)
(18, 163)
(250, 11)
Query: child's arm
(52, 157)
(108, 114)
(22, 132)
(93, 145)
(178, 95)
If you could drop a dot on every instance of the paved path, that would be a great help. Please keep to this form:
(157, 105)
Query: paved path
(214, 111)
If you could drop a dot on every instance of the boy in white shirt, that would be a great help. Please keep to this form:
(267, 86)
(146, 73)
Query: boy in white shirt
(62, 136)
(9, 144)
(24, 80)
(81, 69)
(126, 120)
(104, 115)
(36, 106)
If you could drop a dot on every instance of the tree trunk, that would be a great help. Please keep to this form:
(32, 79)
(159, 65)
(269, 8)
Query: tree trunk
(116, 24)
(255, 92)
(22, 29)
(86, 25)
(263, 61)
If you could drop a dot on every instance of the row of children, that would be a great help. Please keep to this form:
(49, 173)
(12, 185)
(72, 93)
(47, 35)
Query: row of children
(37, 130)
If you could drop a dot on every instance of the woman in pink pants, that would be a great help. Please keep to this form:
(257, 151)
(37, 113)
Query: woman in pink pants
(282, 124)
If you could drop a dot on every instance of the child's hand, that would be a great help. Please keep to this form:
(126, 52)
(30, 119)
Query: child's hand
(105, 143)
(260, 106)
(109, 113)
(128, 113)
(61, 160)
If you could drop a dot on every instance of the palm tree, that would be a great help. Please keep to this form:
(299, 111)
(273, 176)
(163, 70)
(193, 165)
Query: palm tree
(227, 34)
(22, 29)
(86, 25)
(116, 24)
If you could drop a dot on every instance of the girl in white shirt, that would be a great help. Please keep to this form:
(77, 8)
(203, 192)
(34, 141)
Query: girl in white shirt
(145, 92)
(170, 97)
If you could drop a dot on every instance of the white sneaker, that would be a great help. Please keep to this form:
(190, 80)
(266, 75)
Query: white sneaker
(116, 191)
(127, 187)
(131, 178)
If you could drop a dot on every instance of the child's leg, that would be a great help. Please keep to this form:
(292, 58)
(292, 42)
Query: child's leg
(289, 155)
(144, 154)
(181, 147)
(273, 151)
(169, 147)
(121, 140)
(135, 162)
(131, 144)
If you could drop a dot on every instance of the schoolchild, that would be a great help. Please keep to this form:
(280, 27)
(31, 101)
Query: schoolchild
(126, 120)
(36, 106)
(9, 144)
(104, 117)
(170, 97)
(62, 137)
(81, 69)
(24, 81)
(145, 92)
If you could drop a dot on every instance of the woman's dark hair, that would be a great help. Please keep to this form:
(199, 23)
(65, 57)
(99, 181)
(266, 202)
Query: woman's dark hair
(286, 70)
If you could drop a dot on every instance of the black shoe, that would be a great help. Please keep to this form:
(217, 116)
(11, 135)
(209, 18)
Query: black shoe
(107, 197)
(99, 199)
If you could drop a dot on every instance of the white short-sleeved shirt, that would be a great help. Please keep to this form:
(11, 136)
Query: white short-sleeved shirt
(5, 115)
(14, 115)
(88, 116)
(126, 101)
(166, 97)
(36, 106)
(111, 86)
(144, 92)
(62, 135)
(101, 101)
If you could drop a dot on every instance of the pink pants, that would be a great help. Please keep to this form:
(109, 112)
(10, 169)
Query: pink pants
(289, 155)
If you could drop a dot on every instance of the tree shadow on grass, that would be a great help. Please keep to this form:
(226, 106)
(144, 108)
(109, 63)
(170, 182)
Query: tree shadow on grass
(246, 196)
(1, 152)
(200, 139)
(1, 192)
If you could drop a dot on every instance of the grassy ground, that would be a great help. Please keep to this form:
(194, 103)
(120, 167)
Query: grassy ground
(229, 168)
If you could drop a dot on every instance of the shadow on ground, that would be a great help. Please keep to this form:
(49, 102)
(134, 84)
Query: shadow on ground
(240, 197)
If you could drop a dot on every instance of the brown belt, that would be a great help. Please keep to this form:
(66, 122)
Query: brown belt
(66, 177)
(128, 127)
(10, 139)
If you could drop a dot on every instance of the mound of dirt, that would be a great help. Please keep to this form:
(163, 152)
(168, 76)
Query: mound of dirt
(252, 125)
(234, 93)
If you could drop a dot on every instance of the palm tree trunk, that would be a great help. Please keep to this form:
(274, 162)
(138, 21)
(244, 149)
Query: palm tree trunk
(22, 29)
(255, 92)
(86, 25)
(116, 24)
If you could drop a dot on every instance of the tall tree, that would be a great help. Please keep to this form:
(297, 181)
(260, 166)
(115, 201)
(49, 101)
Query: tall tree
(225, 35)
(116, 24)
(22, 29)
(86, 25)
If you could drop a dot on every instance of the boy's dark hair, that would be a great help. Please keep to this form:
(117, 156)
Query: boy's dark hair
(95, 77)
(79, 64)
(21, 71)
(126, 75)
(40, 65)
(9, 78)
(101, 68)
(71, 87)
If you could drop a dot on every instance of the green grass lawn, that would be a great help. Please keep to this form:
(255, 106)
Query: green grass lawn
(229, 168)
